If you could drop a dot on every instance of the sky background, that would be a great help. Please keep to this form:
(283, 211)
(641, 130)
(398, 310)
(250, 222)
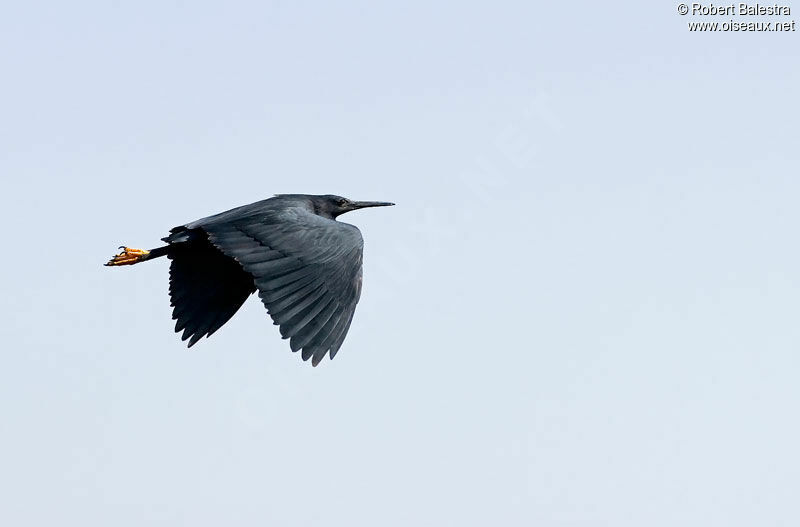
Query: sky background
(583, 310)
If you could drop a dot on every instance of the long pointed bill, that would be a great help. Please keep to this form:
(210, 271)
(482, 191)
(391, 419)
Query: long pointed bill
(364, 204)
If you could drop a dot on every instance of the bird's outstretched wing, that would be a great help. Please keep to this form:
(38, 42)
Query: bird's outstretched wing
(206, 288)
(307, 270)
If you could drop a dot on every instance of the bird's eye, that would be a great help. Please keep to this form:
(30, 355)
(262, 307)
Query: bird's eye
(342, 202)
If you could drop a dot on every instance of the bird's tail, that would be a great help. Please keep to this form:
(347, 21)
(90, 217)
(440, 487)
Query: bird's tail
(130, 256)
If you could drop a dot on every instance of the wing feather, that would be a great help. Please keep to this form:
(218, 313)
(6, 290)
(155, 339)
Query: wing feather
(307, 270)
(284, 315)
(206, 288)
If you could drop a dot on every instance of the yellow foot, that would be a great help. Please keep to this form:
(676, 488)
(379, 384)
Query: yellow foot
(128, 256)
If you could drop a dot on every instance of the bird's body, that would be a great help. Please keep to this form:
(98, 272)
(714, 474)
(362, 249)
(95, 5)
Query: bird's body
(305, 265)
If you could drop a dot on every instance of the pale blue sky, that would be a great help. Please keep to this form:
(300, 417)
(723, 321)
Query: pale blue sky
(583, 310)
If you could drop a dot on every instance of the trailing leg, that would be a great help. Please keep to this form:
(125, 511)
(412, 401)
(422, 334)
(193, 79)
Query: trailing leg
(130, 256)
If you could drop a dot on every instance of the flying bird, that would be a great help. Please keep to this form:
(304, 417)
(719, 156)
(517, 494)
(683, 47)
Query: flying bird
(305, 265)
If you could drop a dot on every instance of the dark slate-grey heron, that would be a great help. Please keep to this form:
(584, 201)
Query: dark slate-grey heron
(305, 265)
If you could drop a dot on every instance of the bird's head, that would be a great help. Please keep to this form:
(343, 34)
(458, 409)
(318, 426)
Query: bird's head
(330, 206)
